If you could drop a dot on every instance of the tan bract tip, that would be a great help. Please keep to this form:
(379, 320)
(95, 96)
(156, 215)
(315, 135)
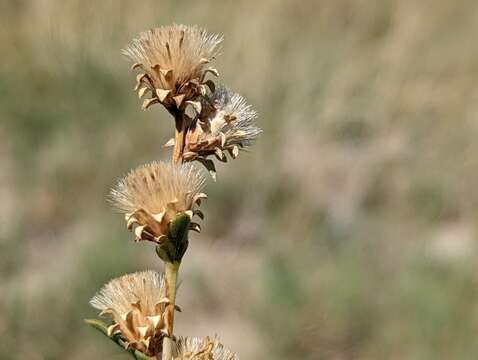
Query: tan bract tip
(196, 348)
(135, 304)
(173, 58)
(152, 195)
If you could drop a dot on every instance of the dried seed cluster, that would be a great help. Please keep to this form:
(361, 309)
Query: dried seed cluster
(152, 195)
(159, 200)
(195, 348)
(136, 304)
(225, 122)
(174, 63)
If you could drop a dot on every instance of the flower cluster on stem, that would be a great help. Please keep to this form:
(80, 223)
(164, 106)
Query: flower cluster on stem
(160, 201)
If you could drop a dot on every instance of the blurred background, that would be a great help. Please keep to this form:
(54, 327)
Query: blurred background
(347, 233)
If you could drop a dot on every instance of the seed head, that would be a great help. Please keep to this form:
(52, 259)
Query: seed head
(152, 195)
(195, 348)
(173, 60)
(225, 122)
(136, 304)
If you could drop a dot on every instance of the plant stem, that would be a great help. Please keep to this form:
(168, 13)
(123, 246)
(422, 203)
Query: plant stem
(179, 137)
(171, 274)
(172, 268)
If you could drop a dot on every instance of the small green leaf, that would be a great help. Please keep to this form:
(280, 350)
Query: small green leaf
(162, 253)
(176, 243)
(178, 234)
(179, 227)
(98, 325)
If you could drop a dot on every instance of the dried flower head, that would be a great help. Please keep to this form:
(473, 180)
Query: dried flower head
(136, 303)
(173, 60)
(225, 122)
(195, 348)
(152, 195)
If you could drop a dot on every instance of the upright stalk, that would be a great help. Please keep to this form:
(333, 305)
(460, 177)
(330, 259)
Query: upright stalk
(160, 199)
(179, 137)
(171, 268)
(171, 274)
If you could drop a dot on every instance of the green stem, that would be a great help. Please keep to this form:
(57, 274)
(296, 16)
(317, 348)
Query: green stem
(171, 274)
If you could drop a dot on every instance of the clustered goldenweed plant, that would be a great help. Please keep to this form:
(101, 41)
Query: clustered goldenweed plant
(160, 200)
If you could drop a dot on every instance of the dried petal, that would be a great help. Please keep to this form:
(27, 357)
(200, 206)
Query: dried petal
(209, 83)
(143, 91)
(212, 71)
(195, 227)
(113, 329)
(168, 74)
(169, 143)
(142, 330)
(179, 100)
(223, 138)
(139, 80)
(154, 320)
(219, 154)
(162, 94)
(199, 213)
(135, 66)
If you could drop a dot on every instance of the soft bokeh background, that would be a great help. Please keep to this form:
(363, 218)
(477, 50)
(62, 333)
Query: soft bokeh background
(348, 233)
